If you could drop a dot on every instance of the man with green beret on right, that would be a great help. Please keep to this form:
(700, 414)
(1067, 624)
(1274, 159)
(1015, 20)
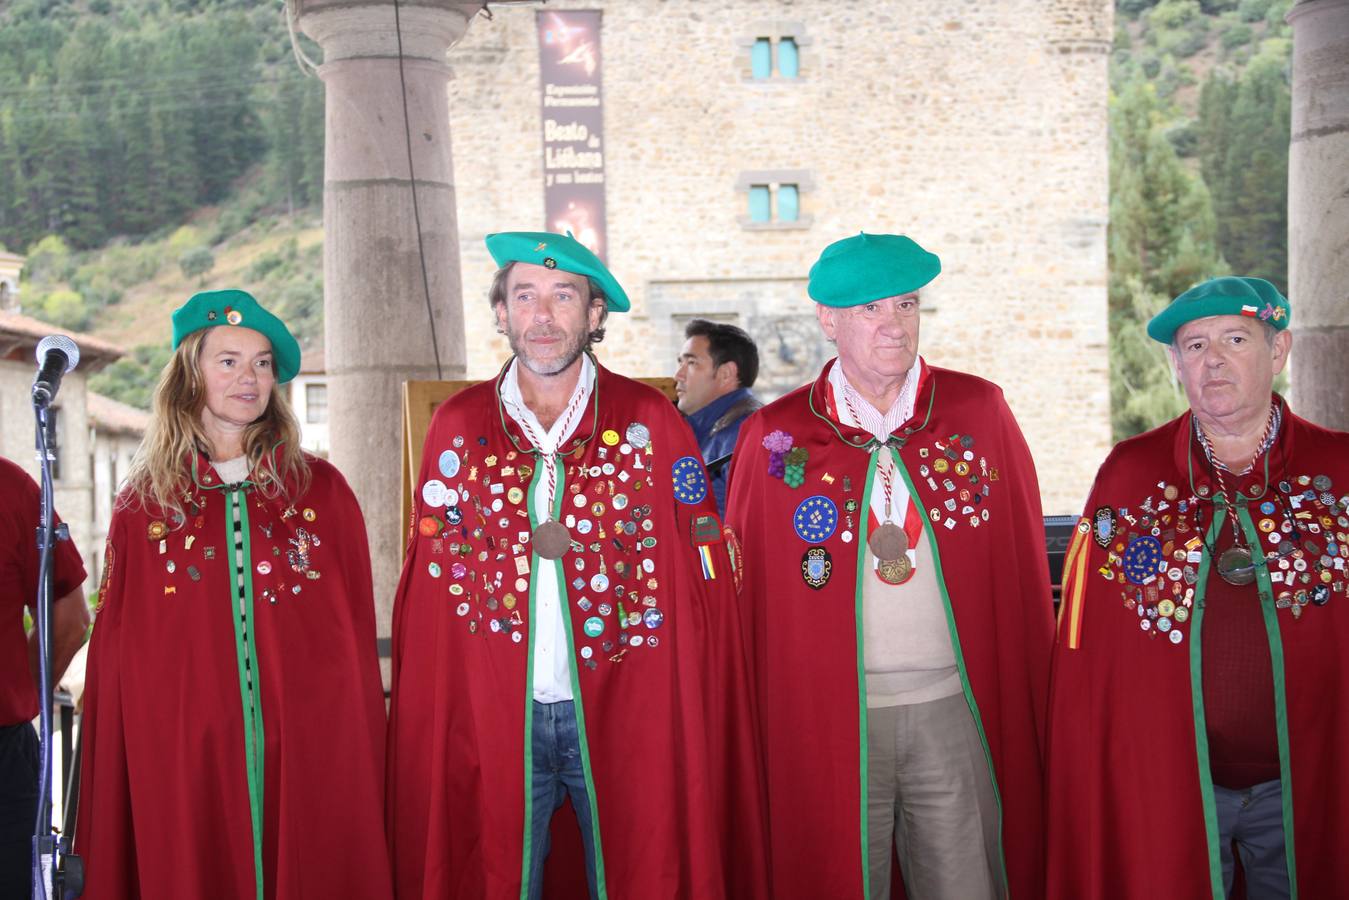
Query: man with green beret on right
(898, 607)
(1197, 699)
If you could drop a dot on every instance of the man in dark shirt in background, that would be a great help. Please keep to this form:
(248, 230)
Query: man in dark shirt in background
(717, 368)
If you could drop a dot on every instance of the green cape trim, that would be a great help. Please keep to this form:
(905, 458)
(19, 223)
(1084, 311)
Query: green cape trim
(1270, 615)
(1205, 773)
(250, 695)
(960, 659)
(863, 720)
(564, 601)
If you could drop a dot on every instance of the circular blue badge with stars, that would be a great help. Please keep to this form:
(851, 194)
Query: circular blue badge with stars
(690, 484)
(1142, 558)
(815, 519)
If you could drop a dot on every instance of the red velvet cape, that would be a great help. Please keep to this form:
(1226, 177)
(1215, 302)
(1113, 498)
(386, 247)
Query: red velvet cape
(1130, 795)
(667, 730)
(165, 803)
(807, 653)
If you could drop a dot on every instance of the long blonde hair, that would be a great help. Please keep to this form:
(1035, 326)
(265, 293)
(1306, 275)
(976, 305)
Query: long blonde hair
(161, 471)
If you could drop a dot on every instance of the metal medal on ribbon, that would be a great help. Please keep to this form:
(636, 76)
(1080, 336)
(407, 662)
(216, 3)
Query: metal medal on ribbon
(888, 542)
(551, 539)
(1235, 566)
(894, 571)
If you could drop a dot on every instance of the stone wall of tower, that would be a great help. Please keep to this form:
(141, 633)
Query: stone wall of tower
(977, 128)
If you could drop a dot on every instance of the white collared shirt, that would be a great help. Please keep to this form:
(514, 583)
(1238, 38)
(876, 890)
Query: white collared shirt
(552, 657)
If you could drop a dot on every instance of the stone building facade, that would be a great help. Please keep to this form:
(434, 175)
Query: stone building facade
(977, 128)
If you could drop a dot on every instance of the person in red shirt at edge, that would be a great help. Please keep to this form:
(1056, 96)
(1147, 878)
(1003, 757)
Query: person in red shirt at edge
(898, 607)
(1196, 703)
(19, 752)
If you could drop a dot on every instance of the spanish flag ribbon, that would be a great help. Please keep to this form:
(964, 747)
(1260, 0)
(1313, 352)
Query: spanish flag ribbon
(1074, 585)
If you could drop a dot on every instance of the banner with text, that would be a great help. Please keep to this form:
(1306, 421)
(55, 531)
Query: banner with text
(573, 125)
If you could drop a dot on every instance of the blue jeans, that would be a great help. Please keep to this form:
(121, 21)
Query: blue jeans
(1254, 819)
(558, 773)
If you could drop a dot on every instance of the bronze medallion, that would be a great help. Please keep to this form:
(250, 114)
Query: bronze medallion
(551, 539)
(1235, 567)
(895, 571)
(888, 541)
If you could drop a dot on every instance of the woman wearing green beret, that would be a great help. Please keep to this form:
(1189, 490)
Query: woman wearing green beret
(234, 719)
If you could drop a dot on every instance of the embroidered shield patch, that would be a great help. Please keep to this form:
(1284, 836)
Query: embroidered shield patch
(816, 567)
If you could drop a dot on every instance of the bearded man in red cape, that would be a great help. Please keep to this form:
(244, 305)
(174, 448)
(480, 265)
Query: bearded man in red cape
(898, 604)
(1198, 675)
(565, 627)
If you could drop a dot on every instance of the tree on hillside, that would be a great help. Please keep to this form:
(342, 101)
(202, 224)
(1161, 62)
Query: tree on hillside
(1161, 241)
(74, 209)
(197, 262)
(292, 113)
(1243, 150)
(117, 119)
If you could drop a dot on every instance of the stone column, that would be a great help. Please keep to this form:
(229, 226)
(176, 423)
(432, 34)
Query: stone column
(1318, 211)
(1073, 212)
(377, 330)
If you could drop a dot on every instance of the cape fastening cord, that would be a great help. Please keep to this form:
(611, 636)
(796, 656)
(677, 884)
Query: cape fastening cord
(888, 542)
(551, 538)
(1235, 565)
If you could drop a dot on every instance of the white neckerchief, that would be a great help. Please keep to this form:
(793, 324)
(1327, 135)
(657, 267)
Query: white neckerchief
(881, 426)
(552, 661)
(552, 438)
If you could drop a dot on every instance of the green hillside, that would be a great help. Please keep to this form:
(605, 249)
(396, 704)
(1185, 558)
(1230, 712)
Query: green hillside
(149, 148)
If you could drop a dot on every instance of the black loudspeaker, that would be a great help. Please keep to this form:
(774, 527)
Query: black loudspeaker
(1058, 535)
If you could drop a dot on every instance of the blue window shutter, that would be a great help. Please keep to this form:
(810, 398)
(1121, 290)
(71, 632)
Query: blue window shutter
(759, 209)
(789, 203)
(789, 60)
(761, 58)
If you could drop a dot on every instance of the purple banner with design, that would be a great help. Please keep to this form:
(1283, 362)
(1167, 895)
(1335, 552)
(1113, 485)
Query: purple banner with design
(573, 125)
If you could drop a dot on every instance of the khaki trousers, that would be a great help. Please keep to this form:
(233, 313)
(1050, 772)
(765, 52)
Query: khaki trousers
(929, 793)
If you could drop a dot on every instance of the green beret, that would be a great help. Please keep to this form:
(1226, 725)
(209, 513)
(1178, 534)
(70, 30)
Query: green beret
(1227, 296)
(210, 308)
(869, 267)
(557, 251)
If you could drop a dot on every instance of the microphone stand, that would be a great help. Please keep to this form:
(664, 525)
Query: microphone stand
(57, 874)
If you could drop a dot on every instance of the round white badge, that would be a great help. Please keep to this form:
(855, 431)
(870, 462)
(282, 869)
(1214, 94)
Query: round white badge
(433, 492)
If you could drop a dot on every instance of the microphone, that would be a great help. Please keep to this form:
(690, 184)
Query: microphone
(56, 355)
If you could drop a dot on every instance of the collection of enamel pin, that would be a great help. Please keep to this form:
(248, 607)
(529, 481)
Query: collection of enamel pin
(958, 479)
(477, 534)
(1154, 551)
(290, 556)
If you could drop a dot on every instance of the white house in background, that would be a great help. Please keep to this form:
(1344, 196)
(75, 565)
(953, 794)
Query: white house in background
(115, 431)
(309, 398)
(11, 264)
(73, 446)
